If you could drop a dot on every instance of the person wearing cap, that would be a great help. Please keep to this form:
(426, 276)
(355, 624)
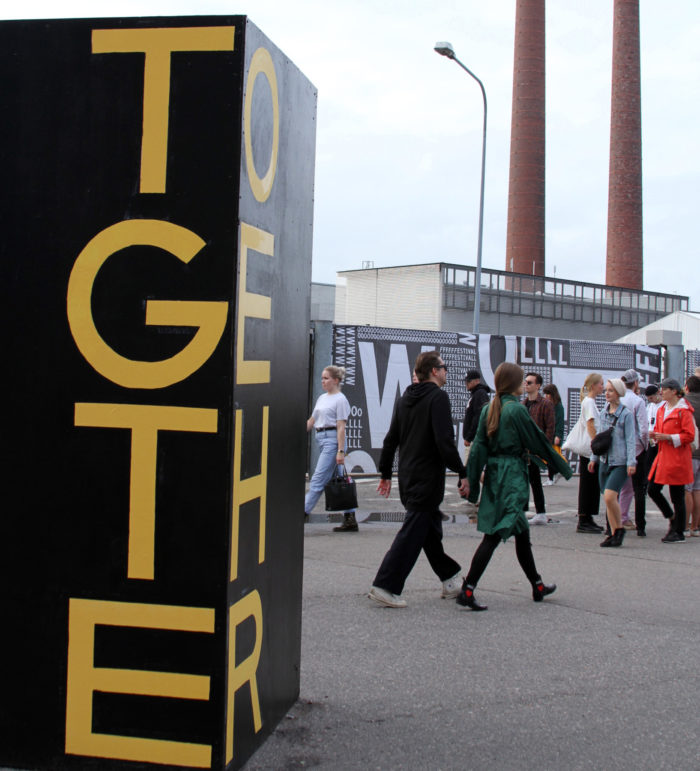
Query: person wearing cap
(692, 491)
(674, 431)
(479, 395)
(636, 486)
(619, 462)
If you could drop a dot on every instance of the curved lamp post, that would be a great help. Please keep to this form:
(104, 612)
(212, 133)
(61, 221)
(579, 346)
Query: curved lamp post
(445, 49)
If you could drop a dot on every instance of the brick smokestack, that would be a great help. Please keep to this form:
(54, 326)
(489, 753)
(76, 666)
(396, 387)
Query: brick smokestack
(525, 239)
(624, 263)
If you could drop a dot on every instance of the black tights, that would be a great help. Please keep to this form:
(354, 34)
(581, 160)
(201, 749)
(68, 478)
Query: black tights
(485, 550)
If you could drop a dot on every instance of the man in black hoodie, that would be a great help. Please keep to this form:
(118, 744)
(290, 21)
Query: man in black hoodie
(480, 395)
(421, 428)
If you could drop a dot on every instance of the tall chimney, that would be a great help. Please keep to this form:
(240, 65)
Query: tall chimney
(624, 263)
(525, 238)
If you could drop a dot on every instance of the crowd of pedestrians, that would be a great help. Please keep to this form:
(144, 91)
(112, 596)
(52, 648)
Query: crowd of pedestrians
(636, 446)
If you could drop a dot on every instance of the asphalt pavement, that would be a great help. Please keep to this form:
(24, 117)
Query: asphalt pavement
(601, 675)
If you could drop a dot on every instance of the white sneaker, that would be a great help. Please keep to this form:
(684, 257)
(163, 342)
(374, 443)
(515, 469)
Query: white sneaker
(548, 483)
(451, 587)
(388, 599)
(538, 519)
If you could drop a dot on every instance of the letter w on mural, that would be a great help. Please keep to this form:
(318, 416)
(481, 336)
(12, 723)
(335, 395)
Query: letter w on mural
(398, 378)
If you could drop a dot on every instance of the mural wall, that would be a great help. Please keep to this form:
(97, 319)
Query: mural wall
(379, 365)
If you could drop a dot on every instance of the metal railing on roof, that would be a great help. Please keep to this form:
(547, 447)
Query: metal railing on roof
(520, 294)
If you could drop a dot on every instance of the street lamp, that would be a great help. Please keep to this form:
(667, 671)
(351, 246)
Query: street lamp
(445, 49)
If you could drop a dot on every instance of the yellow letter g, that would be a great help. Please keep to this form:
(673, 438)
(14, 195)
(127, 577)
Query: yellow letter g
(208, 317)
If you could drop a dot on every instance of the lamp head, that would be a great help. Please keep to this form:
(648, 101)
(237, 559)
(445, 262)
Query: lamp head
(445, 49)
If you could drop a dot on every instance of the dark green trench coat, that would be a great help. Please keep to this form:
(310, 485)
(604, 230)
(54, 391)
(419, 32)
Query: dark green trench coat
(505, 456)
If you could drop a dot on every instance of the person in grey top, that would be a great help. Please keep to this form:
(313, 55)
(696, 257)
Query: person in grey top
(620, 461)
(636, 486)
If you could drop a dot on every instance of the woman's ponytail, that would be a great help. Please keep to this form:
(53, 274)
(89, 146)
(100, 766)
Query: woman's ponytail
(508, 378)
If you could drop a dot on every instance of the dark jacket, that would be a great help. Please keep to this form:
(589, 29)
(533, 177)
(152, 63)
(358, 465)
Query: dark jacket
(559, 420)
(421, 428)
(542, 412)
(480, 395)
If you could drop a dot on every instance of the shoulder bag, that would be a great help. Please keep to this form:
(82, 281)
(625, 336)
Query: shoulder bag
(578, 440)
(600, 444)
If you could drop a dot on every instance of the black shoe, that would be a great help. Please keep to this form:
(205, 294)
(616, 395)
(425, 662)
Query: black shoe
(641, 533)
(540, 590)
(466, 598)
(607, 541)
(673, 537)
(588, 526)
(349, 524)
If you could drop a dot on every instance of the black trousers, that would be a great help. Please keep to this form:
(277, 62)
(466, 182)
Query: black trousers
(420, 530)
(588, 490)
(533, 471)
(640, 483)
(484, 552)
(677, 498)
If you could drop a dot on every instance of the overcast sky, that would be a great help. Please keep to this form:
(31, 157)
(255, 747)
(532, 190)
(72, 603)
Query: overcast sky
(399, 127)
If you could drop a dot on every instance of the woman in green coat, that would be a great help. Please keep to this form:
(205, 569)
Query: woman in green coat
(506, 440)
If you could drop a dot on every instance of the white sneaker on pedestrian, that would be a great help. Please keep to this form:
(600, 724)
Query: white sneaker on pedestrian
(451, 587)
(548, 483)
(385, 598)
(538, 519)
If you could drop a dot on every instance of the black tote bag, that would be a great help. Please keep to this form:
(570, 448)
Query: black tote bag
(340, 491)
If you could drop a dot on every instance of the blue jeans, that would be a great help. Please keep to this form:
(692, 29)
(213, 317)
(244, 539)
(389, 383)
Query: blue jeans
(328, 444)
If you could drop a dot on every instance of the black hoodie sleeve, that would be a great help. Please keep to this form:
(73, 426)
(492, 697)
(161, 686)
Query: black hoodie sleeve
(443, 433)
(480, 397)
(391, 442)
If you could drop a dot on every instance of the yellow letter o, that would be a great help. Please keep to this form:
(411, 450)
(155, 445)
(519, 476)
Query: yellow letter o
(261, 63)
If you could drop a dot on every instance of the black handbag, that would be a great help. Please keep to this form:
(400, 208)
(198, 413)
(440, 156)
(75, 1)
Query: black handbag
(341, 494)
(600, 444)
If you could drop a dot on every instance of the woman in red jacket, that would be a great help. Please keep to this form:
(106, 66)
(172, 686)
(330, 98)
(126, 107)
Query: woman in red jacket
(673, 466)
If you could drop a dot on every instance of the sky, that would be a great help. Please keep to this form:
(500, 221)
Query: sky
(398, 154)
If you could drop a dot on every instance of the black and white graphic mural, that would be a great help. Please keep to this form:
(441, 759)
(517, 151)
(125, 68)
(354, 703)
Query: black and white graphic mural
(379, 364)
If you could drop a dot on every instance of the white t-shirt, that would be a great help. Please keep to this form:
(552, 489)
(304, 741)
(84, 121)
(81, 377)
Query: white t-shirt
(589, 410)
(329, 409)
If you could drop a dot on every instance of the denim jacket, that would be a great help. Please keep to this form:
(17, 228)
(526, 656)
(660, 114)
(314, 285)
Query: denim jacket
(623, 438)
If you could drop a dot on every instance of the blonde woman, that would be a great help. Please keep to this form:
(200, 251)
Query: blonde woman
(619, 461)
(329, 419)
(588, 486)
(505, 440)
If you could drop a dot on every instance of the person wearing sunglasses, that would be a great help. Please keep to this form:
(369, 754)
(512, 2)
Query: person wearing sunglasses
(542, 413)
(422, 431)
